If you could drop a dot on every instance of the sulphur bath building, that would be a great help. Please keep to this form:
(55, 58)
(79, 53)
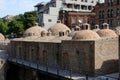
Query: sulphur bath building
(56, 52)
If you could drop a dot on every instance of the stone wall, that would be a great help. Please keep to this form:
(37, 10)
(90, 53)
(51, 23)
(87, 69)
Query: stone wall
(89, 56)
(106, 55)
(78, 56)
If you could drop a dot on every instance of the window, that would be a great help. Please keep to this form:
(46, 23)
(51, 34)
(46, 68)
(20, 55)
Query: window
(108, 1)
(82, 0)
(44, 57)
(118, 12)
(102, 14)
(83, 7)
(77, 6)
(85, 0)
(1, 62)
(65, 60)
(99, 14)
(69, 6)
(92, 1)
(90, 7)
(49, 20)
(108, 13)
(112, 1)
(74, 20)
(77, 52)
(118, 2)
(110, 22)
(111, 13)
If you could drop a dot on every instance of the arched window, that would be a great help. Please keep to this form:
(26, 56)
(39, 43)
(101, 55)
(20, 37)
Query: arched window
(44, 58)
(118, 2)
(42, 33)
(65, 61)
(103, 14)
(99, 14)
(108, 13)
(67, 32)
(111, 13)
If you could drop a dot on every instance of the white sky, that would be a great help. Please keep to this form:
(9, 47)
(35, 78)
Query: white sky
(15, 7)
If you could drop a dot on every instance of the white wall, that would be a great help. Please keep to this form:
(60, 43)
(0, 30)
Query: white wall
(46, 19)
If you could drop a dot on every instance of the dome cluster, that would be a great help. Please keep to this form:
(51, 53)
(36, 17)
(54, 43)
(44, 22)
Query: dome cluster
(80, 33)
(86, 33)
(106, 32)
(55, 30)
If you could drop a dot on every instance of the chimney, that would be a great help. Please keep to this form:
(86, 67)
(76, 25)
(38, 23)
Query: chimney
(86, 26)
(58, 21)
(105, 26)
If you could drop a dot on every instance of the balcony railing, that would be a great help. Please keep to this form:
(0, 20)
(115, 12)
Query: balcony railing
(64, 73)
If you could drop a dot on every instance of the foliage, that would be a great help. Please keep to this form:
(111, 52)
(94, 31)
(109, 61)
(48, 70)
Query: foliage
(18, 24)
(3, 26)
(30, 19)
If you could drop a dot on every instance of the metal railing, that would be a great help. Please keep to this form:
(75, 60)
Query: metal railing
(64, 73)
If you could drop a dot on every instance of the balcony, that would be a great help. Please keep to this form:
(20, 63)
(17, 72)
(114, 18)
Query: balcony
(72, 9)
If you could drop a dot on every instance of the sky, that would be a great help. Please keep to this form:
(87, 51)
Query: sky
(15, 7)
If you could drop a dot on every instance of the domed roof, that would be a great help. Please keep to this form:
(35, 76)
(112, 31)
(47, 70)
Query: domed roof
(2, 37)
(117, 30)
(34, 31)
(85, 34)
(106, 32)
(72, 33)
(59, 27)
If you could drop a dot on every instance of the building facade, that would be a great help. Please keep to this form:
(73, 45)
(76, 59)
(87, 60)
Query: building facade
(48, 13)
(108, 12)
(41, 53)
(60, 52)
(74, 18)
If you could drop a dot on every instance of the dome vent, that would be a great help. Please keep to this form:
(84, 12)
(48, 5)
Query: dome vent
(96, 28)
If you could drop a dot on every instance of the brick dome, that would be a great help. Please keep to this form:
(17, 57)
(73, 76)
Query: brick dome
(59, 27)
(2, 37)
(106, 32)
(34, 31)
(86, 33)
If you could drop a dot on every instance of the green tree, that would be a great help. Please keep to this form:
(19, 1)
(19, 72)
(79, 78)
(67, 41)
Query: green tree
(30, 18)
(3, 26)
(16, 27)
(18, 23)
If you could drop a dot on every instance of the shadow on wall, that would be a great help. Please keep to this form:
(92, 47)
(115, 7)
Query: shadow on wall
(109, 66)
